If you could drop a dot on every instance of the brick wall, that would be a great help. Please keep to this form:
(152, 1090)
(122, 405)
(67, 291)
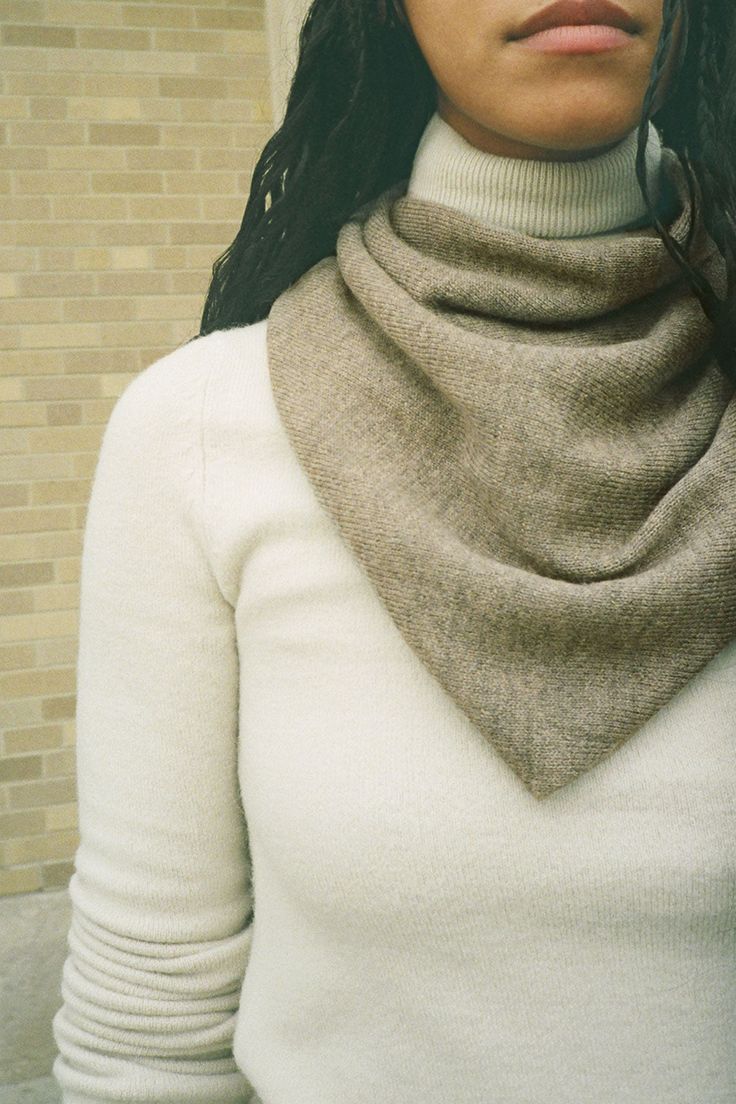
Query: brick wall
(128, 137)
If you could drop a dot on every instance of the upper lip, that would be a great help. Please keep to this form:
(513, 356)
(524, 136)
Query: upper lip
(576, 12)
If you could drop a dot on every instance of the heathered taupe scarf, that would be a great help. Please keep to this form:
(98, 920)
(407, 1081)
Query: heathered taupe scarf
(530, 450)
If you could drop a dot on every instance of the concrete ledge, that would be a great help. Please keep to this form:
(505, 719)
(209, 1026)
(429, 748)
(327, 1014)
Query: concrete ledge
(43, 1090)
(33, 949)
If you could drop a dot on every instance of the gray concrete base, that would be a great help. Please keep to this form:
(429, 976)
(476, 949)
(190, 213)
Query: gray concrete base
(33, 948)
(43, 1090)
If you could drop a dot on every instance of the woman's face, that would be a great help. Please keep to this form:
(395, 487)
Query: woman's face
(507, 98)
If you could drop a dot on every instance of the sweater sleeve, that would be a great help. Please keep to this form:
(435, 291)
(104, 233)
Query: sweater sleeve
(161, 891)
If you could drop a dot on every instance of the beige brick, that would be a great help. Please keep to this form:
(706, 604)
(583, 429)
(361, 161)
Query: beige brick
(14, 362)
(14, 107)
(170, 257)
(59, 817)
(84, 157)
(190, 282)
(153, 15)
(223, 158)
(68, 571)
(8, 284)
(47, 107)
(131, 133)
(225, 111)
(31, 626)
(36, 35)
(182, 208)
(131, 283)
(21, 879)
(39, 546)
(37, 683)
(124, 134)
(51, 791)
(27, 823)
(59, 764)
(12, 657)
(59, 596)
(96, 412)
(40, 738)
(61, 491)
(16, 713)
(54, 709)
(25, 574)
(200, 87)
(55, 285)
(126, 333)
(26, 158)
(198, 183)
(128, 182)
(218, 234)
(23, 11)
(35, 467)
(69, 731)
(16, 602)
(13, 494)
(23, 311)
(12, 388)
(112, 108)
(14, 440)
(64, 413)
(22, 414)
(169, 306)
(85, 464)
(114, 386)
(15, 260)
(117, 84)
(156, 157)
(63, 649)
(48, 181)
(92, 259)
(37, 519)
(35, 132)
(209, 42)
(95, 207)
(194, 134)
(42, 84)
(76, 12)
(103, 38)
(66, 439)
(56, 875)
(17, 767)
(246, 19)
(54, 845)
(223, 209)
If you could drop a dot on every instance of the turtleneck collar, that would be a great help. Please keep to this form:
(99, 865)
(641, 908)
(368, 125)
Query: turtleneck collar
(546, 199)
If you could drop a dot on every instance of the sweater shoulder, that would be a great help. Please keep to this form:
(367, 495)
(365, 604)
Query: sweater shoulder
(174, 387)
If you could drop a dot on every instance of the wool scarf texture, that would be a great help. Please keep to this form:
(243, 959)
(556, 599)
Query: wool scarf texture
(531, 450)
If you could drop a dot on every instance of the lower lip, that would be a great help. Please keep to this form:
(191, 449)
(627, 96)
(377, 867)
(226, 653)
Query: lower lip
(589, 38)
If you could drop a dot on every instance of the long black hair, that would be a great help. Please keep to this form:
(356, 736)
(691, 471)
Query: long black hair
(360, 98)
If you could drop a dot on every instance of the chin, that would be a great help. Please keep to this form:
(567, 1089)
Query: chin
(569, 137)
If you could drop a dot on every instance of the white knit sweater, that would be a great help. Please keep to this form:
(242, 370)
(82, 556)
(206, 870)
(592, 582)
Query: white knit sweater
(301, 868)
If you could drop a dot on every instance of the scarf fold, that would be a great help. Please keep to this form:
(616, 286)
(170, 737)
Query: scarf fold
(531, 451)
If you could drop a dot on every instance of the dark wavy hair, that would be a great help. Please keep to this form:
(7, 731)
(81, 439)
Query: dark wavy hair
(360, 98)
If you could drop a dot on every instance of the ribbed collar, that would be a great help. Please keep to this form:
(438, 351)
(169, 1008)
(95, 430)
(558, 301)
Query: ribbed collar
(546, 199)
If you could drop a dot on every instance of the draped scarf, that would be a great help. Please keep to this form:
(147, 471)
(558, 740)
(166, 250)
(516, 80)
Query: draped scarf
(531, 450)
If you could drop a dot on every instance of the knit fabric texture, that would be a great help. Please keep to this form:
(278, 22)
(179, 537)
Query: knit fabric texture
(548, 199)
(531, 450)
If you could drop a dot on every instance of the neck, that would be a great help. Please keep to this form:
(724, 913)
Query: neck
(546, 199)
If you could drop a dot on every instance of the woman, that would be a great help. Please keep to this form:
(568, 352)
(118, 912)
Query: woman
(407, 664)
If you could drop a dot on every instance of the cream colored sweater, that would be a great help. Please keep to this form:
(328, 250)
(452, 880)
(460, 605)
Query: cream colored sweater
(301, 870)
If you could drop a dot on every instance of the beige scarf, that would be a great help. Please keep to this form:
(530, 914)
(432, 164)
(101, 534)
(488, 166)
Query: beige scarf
(531, 451)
